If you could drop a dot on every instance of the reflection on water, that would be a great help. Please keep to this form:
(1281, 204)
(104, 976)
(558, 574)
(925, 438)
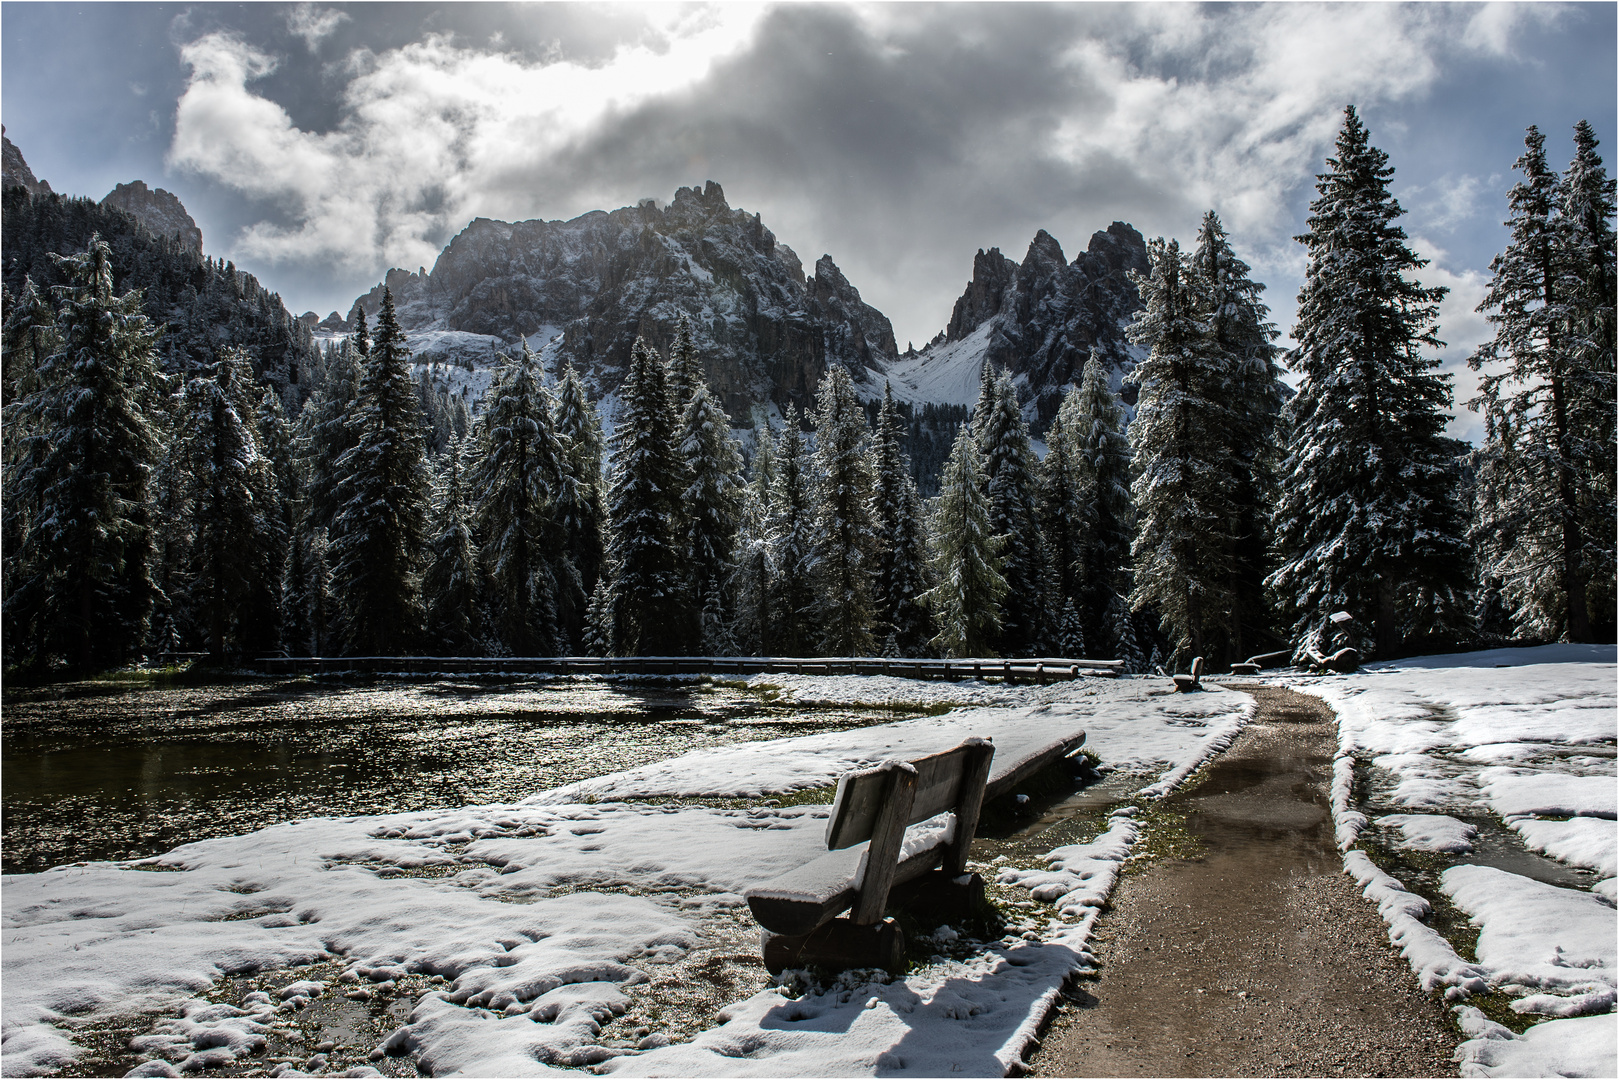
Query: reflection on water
(98, 772)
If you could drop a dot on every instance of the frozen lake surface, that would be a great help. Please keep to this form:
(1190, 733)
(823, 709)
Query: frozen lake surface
(99, 770)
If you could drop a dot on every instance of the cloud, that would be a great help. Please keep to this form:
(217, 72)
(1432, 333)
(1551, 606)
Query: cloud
(898, 137)
(1497, 28)
(1463, 328)
(427, 129)
(314, 25)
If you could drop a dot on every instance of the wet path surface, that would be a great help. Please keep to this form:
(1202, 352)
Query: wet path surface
(99, 771)
(1257, 957)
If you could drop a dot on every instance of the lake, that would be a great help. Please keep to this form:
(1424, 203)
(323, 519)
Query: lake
(103, 770)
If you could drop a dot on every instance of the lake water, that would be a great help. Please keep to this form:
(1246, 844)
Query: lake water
(102, 771)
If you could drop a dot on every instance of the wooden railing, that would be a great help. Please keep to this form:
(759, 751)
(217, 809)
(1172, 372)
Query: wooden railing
(1037, 670)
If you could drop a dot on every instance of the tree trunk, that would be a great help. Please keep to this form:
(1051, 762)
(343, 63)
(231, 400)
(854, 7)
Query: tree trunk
(1388, 627)
(1579, 623)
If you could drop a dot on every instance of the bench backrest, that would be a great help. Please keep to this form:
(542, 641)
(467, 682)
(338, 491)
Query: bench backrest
(861, 794)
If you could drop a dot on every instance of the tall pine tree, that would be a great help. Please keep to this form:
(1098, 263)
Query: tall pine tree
(1368, 518)
(379, 533)
(1548, 411)
(1182, 489)
(645, 579)
(232, 508)
(966, 602)
(518, 470)
(451, 584)
(81, 450)
(902, 557)
(1251, 392)
(844, 545)
(1009, 471)
(713, 504)
(792, 544)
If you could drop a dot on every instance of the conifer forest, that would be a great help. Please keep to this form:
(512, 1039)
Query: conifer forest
(162, 495)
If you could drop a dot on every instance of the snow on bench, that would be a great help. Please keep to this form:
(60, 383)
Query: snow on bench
(890, 827)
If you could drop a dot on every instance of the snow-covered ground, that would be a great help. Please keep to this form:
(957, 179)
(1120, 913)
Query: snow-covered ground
(543, 918)
(1526, 737)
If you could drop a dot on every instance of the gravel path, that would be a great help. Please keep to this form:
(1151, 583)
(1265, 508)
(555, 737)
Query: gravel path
(1258, 958)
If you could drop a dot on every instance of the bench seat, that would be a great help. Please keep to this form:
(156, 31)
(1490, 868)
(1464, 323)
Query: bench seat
(804, 898)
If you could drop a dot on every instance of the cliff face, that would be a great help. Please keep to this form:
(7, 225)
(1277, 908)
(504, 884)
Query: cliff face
(1049, 312)
(1037, 319)
(159, 210)
(766, 332)
(16, 171)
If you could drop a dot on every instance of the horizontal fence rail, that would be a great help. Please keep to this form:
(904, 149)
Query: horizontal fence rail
(1039, 670)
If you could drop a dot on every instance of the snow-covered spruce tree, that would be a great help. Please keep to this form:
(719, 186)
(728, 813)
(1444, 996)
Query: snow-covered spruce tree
(297, 635)
(517, 472)
(685, 369)
(752, 579)
(1063, 511)
(81, 447)
(902, 557)
(1368, 517)
(1243, 344)
(1095, 427)
(1548, 451)
(1588, 207)
(844, 543)
(580, 510)
(379, 533)
(27, 338)
(1071, 634)
(325, 434)
(645, 578)
(1009, 471)
(1182, 548)
(598, 629)
(230, 506)
(318, 594)
(713, 504)
(450, 585)
(966, 602)
(1126, 643)
(792, 545)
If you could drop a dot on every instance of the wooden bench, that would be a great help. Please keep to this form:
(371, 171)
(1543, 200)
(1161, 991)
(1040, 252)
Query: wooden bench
(873, 808)
(1253, 664)
(1194, 681)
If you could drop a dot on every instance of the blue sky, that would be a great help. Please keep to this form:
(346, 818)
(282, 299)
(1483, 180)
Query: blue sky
(317, 145)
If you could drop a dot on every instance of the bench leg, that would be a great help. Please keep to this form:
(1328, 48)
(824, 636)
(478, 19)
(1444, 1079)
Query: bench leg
(940, 896)
(838, 944)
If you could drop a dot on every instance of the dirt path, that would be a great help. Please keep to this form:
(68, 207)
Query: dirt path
(1258, 958)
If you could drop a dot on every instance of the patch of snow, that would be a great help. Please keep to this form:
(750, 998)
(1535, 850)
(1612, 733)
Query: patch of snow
(944, 374)
(1496, 731)
(1431, 832)
(1535, 936)
(1585, 1046)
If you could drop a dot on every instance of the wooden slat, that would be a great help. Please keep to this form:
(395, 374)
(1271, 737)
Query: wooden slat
(861, 794)
(1008, 774)
(824, 887)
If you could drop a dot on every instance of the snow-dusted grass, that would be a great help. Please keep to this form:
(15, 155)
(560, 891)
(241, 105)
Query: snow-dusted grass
(1528, 736)
(544, 917)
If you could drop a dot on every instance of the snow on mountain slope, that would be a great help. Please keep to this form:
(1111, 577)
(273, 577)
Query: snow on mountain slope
(945, 374)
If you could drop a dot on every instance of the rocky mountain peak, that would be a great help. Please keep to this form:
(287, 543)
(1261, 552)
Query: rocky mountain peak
(16, 171)
(992, 273)
(160, 211)
(1038, 319)
(591, 285)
